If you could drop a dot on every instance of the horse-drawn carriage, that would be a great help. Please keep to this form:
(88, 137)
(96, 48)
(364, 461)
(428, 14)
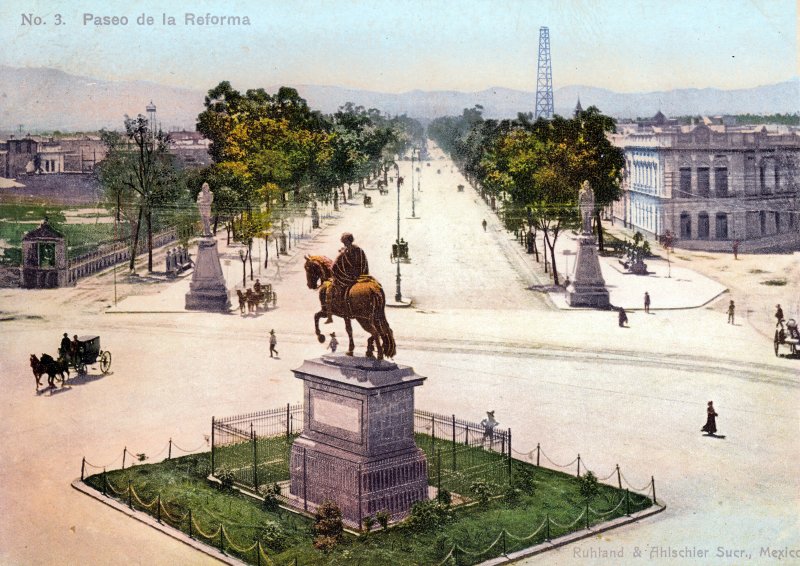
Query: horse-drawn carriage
(367, 201)
(88, 354)
(259, 297)
(790, 337)
(461, 188)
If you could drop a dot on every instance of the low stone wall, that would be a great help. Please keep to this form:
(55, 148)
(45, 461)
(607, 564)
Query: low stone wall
(10, 276)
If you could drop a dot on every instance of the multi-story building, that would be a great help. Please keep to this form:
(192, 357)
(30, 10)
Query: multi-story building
(46, 156)
(712, 185)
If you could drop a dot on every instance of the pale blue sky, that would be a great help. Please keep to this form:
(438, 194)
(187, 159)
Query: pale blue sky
(400, 45)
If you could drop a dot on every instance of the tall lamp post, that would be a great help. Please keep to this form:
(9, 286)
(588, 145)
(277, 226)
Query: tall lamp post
(398, 295)
(413, 211)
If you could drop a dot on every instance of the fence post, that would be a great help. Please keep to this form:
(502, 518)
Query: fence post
(653, 482)
(212, 446)
(288, 418)
(255, 457)
(547, 528)
(509, 456)
(221, 539)
(619, 477)
(627, 502)
(83, 466)
(454, 443)
(579, 466)
(466, 436)
(105, 483)
(190, 523)
(130, 492)
(433, 433)
(258, 553)
(169, 452)
(305, 498)
(124, 451)
(158, 508)
(538, 451)
(504, 541)
(587, 515)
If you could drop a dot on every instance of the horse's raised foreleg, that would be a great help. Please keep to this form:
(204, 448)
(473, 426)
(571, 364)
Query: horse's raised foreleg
(319, 334)
(349, 328)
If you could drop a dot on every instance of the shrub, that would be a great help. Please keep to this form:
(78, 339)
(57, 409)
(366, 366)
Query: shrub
(589, 485)
(383, 519)
(442, 545)
(513, 495)
(226, 478)
(444, 497)
(271, 535)
(368, 521)
(270, 493)
(524, 480)
(328, 526)
(482, 490)
(428, 515)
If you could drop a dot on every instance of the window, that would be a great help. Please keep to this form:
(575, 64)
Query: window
(721, 181)
(686, 226)
(721, 229)
(777, 222)
(685, 182)
(762, 219)
(762, 178)
(702, 226)
(703, 185)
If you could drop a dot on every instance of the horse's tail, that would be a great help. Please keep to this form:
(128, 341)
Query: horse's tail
(384, 330)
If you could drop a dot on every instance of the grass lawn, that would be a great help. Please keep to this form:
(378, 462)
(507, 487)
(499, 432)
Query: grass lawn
(182, 486)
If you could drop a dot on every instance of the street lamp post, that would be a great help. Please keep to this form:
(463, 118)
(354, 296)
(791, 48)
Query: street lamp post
(398, 295)
(413, 203)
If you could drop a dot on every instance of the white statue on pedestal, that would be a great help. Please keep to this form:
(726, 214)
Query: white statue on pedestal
(586, 205)
(204, 200)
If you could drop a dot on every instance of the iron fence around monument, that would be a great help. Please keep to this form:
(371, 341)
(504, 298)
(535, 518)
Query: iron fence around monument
(254, 448)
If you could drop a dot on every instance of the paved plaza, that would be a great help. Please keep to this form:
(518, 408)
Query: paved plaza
(486, 336)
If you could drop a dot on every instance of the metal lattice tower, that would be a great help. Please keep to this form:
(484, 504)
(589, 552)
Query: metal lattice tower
(544, 78)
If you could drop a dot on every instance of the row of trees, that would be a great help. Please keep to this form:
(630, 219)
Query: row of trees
(535, 168)
(272, 155)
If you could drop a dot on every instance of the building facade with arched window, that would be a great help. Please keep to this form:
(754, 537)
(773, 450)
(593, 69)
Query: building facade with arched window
(711, 186)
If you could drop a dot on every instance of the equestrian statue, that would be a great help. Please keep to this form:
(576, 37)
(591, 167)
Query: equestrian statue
(347, 290)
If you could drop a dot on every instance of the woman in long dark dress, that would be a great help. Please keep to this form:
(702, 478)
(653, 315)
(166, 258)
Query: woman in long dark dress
(711, 422)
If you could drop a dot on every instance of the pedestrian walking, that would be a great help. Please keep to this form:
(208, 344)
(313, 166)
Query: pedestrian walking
(488, 424)
(334, 343)
(273, 341)
(731, 312)
(484, 224)
(710, 428)
(646, 302)
(779, 316)
(623, 317)
(736, 249)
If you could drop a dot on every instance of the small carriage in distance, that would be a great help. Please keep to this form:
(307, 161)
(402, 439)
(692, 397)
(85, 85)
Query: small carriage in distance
(789, 337)
(400, 251)
(367, 201)
(461, 188)
(89, 353)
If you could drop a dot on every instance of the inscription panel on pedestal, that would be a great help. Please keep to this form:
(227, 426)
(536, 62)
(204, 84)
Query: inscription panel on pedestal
(336, 415)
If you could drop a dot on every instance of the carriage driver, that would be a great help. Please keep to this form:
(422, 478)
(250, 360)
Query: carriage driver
(348, 267)
(63, 350)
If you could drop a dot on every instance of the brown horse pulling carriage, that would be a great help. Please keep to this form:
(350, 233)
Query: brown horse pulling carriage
(259, 297)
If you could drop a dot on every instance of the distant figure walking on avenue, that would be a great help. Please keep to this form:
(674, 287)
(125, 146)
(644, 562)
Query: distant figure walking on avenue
(736, 249)
(731, 311)
(489, 425)
(484, 224)
(779, 316)
(334, 343)
(623, 317)
(273, 341)
(646, 302)
(711, 421)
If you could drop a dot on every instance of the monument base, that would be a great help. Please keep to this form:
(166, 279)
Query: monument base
(207, 291)
(357, 447)
(588, 288)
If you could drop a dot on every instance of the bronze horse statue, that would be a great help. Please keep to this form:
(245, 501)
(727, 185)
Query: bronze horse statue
(364, 301)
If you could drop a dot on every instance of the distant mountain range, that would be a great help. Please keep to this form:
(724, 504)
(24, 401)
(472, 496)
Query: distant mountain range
(43, 99)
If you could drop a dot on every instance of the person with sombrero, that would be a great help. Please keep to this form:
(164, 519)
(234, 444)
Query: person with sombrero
(334, 343)
(273, 341)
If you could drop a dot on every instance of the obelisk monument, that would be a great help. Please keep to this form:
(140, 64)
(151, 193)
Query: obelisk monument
(588, 288)
(207, 291)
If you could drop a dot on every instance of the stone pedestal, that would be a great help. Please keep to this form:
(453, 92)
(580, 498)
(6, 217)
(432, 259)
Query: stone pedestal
(207, 291)
(357, 446)
(588, 288)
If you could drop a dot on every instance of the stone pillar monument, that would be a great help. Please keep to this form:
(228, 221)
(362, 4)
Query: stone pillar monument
(588, 289)
(207, 291)
(357, 448)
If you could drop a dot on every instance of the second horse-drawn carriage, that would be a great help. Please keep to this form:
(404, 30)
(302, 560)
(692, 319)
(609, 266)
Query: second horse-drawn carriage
(790, 337)
(259, 297)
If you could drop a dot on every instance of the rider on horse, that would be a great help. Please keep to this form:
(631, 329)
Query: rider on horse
(348, 267)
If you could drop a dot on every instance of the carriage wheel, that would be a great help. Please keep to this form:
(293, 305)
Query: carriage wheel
(776, 343)
(105, 361)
